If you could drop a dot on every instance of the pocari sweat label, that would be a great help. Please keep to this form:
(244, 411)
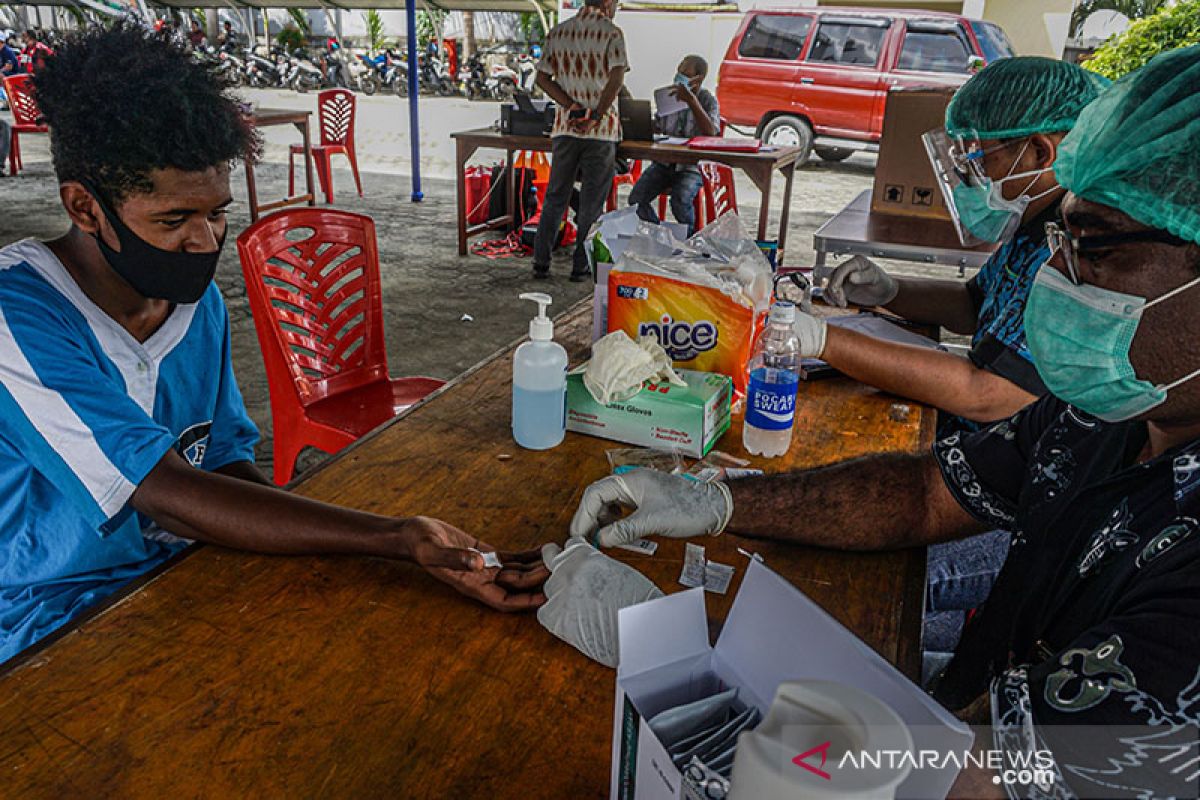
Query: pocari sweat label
(771, 399)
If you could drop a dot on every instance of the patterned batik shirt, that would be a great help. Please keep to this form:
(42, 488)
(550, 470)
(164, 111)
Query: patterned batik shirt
(580, 54)
(1090, 641)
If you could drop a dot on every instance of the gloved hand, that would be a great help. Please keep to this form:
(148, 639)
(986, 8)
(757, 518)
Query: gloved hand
(860, 281)
(586, 590)
(810, 331)
(664, 505)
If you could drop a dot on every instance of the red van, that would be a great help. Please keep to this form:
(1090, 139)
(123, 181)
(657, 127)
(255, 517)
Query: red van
(818, 78)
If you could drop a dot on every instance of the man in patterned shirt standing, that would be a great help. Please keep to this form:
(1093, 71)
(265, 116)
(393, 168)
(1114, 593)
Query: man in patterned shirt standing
(582, 69)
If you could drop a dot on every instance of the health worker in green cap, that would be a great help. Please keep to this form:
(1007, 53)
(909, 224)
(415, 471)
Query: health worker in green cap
(1083, 667)
(993, 161)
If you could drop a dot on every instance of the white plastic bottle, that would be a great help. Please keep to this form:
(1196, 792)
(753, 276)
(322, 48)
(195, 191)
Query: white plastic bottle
(774, 378)
(539, 406)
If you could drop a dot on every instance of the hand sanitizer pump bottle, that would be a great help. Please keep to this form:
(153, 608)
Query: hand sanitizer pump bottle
(539, 406)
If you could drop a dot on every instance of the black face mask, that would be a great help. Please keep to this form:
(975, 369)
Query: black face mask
(152, 272)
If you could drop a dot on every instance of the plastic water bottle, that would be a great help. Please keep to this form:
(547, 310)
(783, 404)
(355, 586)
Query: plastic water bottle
(539, 406)
(774, 378)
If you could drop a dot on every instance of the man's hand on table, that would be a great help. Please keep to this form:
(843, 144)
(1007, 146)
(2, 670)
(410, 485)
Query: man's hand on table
(663, 505)
(445, 553)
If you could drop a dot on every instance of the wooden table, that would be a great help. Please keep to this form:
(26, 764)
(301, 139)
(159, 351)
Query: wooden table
(857, 230)
(237, 675)
(760, 167)
(262, 118)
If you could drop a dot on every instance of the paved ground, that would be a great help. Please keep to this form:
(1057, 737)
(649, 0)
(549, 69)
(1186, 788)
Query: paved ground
(427, 287)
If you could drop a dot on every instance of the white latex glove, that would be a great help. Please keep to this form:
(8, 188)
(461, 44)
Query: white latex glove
(585, 591)
(663, 505)
(860, 281)
(810, 331)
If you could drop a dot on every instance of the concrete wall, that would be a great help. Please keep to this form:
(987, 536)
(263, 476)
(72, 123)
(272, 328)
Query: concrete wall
(657, 40)
(1036, 27)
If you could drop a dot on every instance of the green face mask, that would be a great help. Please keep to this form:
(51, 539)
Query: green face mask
(1080, 336)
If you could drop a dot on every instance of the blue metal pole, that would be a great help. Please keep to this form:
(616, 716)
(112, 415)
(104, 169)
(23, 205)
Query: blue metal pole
(414, 124)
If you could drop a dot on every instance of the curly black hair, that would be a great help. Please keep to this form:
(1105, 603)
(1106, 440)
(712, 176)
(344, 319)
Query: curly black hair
(123, 102)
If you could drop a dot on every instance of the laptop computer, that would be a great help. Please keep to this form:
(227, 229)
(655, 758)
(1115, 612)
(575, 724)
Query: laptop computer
(635, 120)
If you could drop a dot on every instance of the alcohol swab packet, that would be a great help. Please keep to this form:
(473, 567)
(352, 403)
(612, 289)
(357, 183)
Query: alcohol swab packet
(717, 577)
(490, 560)
(693, 566)
(643, 546)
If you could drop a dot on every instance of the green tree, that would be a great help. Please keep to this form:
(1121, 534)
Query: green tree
(291, 38)
(429, 25)
(531, 28)
(300, 18)
(374, 23)
(1174, 26)
(1133, 9)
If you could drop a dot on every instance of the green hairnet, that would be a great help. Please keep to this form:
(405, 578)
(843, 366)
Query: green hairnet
(1022, 96)
(1137, 148)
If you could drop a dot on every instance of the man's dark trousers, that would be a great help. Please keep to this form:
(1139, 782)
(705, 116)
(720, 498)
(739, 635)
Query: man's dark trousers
(592, 161)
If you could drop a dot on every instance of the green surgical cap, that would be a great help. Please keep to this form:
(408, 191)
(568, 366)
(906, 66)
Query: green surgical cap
(1137, 148)
(1021, 96)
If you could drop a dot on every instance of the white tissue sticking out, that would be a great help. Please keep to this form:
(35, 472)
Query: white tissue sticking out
(619, 367)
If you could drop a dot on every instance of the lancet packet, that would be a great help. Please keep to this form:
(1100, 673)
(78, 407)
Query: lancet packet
(704, 300)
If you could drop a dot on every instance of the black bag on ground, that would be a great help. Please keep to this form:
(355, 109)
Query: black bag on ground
(527, 204)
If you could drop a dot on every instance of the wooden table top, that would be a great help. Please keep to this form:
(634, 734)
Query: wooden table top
(775, 158)
(233, 674)
(278, 116)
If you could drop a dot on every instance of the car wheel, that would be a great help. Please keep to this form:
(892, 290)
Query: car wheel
(789, 131)
(833, 154)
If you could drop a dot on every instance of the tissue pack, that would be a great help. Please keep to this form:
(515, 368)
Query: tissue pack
(701, 327)
(688, 418)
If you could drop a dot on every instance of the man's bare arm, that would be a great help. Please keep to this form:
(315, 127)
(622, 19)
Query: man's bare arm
(936, 301)
(873, 503)
(246, 471)
(616, 79)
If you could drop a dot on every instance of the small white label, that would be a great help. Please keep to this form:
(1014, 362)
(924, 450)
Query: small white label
(693, 566)
(643, 546)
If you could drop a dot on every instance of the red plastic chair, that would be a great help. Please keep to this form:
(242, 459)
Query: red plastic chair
(336, 110)
(312, 277)
(25, 113)
(716, 196)
(628, 179)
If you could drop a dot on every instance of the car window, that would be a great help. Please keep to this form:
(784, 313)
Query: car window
(935, 48)
(993, 41)
(779, 36)
(847, 43)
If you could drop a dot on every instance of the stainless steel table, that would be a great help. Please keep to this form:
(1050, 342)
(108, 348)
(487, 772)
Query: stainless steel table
(856, 231)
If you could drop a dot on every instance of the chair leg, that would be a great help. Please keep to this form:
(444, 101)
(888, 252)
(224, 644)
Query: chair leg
(321, 161)
(14, 153)
(354, 169)
(662, 206)
(291, 173)
(285, 454)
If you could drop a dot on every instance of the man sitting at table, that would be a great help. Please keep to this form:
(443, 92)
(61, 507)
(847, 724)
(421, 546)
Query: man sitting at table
(1095, 618)
(122, 417)
(701, 117)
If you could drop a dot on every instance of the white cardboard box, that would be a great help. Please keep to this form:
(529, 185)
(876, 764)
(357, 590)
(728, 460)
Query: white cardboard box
(773, 634)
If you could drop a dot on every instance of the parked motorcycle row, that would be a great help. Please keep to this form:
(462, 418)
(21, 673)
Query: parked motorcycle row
(370, 74)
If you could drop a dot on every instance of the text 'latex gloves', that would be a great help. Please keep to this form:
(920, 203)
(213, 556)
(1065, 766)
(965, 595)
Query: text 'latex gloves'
(663, 505)
(585, 591)
(862, 282)
(810, 333)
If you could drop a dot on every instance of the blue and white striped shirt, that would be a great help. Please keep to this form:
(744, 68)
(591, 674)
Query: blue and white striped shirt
(86, 412)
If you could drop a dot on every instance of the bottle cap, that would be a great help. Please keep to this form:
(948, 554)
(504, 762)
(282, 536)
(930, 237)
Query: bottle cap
(783, 312)
(541, 328)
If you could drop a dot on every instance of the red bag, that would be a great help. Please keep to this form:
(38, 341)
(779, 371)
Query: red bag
(478, 181)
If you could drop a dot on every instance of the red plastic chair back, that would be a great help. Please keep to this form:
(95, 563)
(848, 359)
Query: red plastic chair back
(20, 99)
(312, 278)
(336, 109)
(720, 194)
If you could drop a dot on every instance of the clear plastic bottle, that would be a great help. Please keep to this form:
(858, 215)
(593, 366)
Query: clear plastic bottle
(774, 378)
(539, 404)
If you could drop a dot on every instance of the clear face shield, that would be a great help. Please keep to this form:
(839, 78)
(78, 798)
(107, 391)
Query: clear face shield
(957, 163)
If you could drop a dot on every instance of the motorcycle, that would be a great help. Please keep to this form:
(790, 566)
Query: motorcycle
(303, 75)
(395, 75)
(260, 72)
(473, 80)
(509, 81)
(336, 71)
(231, 68)
(434, 77)
(372, 70)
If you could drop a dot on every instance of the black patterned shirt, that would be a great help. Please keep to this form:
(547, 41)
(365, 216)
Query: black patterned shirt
(1090, 641)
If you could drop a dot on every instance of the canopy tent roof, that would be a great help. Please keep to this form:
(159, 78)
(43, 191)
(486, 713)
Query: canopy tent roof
(383, 5)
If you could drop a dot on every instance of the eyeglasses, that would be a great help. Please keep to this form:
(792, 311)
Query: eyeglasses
(1063, 241)
(967, 156)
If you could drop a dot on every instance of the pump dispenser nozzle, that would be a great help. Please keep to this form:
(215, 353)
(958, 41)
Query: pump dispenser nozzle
(541, 328)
